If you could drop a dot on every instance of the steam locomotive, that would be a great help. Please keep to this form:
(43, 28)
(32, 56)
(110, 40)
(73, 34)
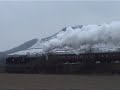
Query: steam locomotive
(108, 62)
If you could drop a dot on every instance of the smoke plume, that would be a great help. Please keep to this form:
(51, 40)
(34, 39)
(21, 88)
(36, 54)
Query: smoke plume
(88, 36)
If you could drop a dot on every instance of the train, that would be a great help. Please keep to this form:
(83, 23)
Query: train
(105, 62)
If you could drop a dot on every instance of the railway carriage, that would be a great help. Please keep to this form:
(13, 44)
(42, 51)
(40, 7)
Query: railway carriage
(108, 62)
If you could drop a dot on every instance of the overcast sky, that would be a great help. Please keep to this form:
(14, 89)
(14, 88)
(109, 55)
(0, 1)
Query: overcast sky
(25, 20)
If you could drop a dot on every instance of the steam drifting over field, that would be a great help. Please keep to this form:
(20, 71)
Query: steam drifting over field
(88, 36)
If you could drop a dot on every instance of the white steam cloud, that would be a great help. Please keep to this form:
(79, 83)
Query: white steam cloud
(88, 36)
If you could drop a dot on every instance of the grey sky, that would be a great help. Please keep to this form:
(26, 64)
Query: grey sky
(25, 20)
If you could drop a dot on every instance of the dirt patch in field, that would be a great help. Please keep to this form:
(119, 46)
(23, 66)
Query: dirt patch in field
(58, 82)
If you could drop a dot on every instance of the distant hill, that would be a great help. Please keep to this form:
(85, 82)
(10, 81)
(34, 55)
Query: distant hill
(33, 42)
(21, 47)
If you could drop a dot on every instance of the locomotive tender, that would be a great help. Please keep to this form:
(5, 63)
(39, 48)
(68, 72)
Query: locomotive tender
(107, 62)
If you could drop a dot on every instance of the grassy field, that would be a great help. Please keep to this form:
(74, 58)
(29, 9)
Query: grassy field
(58, 82)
